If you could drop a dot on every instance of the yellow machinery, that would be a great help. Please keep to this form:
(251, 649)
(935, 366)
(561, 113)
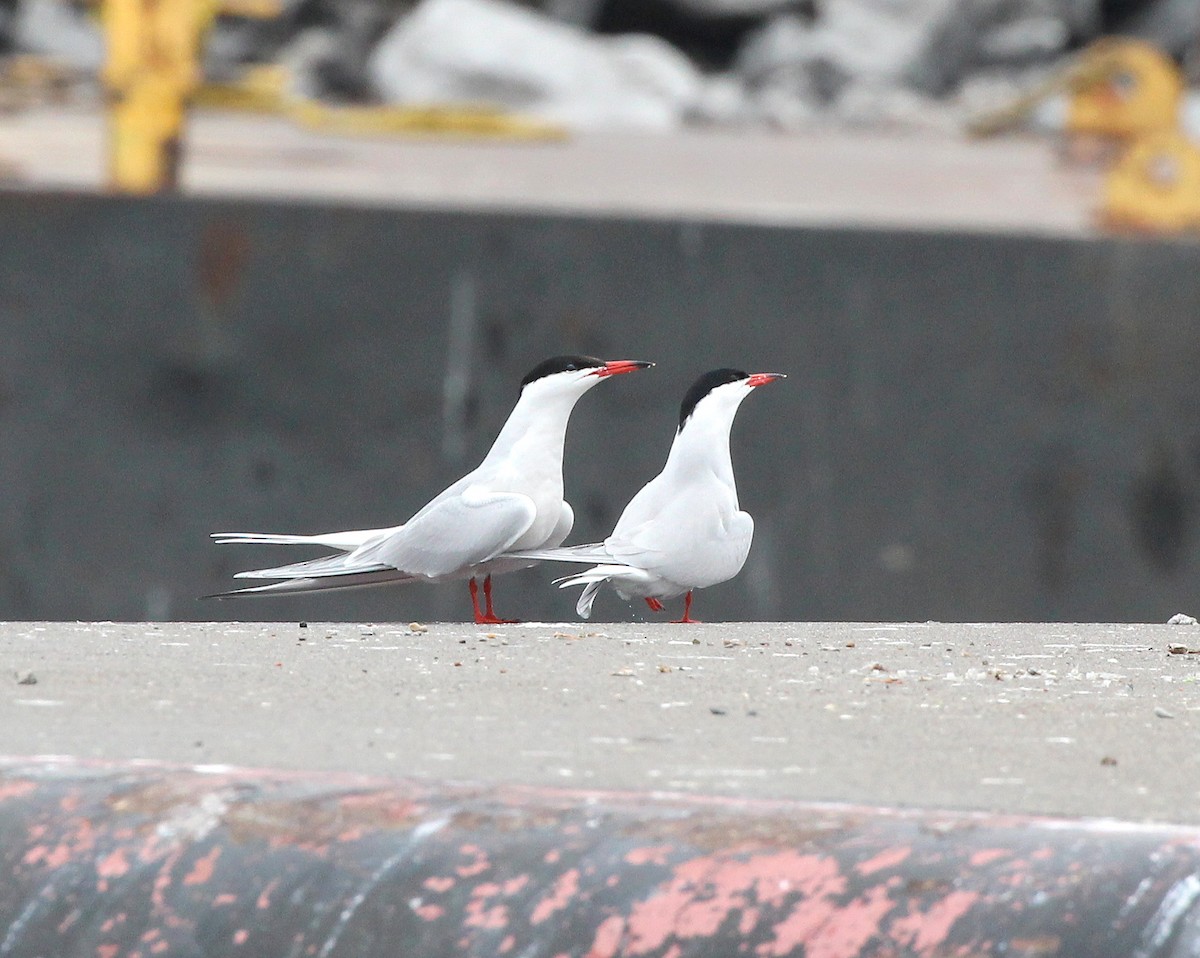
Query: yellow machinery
(1117, 88)
(1124, 89)
(1128, 93)
(263, 89)
(151, 72)
(152, 76)
(1155, 186)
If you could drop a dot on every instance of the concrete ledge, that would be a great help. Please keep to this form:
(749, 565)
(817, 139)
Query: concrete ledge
(145, 859)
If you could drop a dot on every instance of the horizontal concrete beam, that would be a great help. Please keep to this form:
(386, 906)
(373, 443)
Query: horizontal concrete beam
(144, 859)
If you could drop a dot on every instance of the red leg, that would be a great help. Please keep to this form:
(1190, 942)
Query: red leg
(475, 601)
(655, 605)
(488, 616)
(687, 609)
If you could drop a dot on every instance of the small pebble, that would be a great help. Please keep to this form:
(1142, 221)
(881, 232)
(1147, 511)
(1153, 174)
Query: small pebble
(26, 678)
(1180, 619)
(1162, 712)
(417, 627)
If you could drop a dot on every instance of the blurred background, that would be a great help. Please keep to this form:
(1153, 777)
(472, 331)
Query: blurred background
(279, 265)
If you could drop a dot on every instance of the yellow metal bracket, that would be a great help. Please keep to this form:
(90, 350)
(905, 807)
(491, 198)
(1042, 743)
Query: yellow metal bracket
(1154, 186)
(1124, 90)
(152, 69)
(264, 89)
(1117, 88)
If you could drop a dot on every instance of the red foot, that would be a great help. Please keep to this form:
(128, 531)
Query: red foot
(492, 620)
(486, 616)
(687, 608)
(655, 605)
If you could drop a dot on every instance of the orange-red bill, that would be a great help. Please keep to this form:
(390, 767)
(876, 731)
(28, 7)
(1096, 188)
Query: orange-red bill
(761, 379)
(618, 366)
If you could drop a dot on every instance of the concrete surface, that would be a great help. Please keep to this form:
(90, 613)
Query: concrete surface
(1094, 720)
(926, 180)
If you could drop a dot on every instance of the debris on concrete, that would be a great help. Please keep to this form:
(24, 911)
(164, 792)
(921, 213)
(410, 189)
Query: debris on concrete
(26, 678)
(1163, 713)
(1180, 619)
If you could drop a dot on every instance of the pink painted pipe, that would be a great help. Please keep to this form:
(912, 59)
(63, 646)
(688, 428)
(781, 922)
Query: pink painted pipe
(141, 860)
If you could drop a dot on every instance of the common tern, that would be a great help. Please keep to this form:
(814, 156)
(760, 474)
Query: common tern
(684, 530)
(512, 501)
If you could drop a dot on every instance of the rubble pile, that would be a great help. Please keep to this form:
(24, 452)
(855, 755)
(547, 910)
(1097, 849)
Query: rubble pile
(656, 64)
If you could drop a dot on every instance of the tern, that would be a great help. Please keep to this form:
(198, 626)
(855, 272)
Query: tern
(512, 501)
(684, 530)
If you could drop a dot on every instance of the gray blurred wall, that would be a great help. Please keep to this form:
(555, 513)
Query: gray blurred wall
(974, 428)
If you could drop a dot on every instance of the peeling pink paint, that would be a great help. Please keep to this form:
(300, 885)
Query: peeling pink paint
(439, 885)
(16, 790)
(480, 865)
(888, 858)
(564, 891)
(608, 938)
(747, 920)
(507, 944)
(480, 916)
(924, 931)
(650, 855)
(429, 912)
(705, 892)
(162, 881)
(107, 951)
(264, 896)
(224, 899)
(241, 936)
(54, 857)
(845, 932)
(113, 865)
(552, 856)
(202, 871)
(514, 885)
(986, 855)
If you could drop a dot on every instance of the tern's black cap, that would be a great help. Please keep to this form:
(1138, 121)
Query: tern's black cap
(703, 386)
(560, 364)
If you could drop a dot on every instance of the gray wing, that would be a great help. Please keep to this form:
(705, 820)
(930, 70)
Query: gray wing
(697, 537)
(452, 533)
(348, 580)
(589, 552)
